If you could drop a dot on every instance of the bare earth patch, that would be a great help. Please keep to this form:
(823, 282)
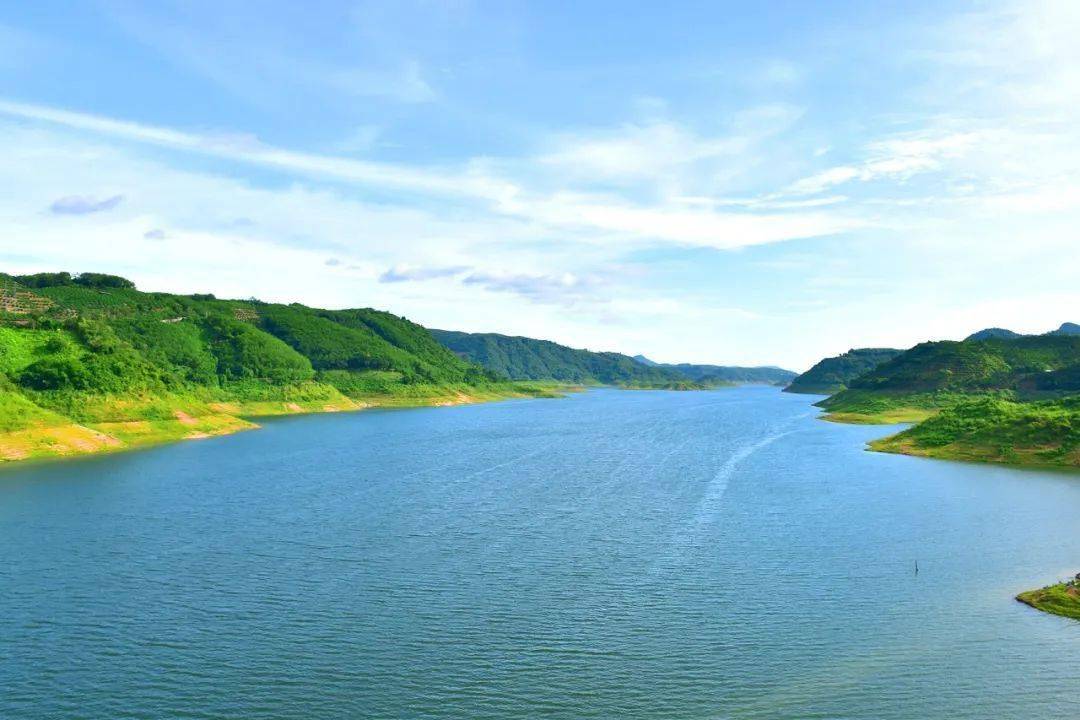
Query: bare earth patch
(58, 440)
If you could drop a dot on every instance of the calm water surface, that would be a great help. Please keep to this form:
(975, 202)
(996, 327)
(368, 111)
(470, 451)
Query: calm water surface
(610, 555)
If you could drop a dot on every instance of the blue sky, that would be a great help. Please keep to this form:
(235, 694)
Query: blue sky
(754, 183)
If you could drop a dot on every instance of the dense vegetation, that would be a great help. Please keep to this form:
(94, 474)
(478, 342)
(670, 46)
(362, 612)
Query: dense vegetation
(833, 374)
(88, 360)
(990, 428)
(521, 358)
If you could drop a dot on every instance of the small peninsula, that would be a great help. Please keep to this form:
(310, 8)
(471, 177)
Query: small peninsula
(1060, 599)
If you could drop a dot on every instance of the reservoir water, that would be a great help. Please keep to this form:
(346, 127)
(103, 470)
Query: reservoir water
(613, 554)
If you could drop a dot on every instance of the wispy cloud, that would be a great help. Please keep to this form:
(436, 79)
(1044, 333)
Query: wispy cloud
(894, 159)
(616, 217)
(83, 205)
(410, 274)
(244, 148)
(666, 153)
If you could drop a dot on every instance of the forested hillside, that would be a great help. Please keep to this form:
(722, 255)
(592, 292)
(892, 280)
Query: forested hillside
(88, 361)
(1029, 364)
(521, 358)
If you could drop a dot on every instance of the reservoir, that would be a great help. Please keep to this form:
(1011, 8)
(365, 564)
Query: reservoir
(612, 554)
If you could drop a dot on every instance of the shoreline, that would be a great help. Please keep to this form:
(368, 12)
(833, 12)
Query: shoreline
(60, 441)
(71, 439)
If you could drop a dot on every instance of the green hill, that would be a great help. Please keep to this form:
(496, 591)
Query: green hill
(833, 374)
(521, 358)
(1030, 363)
(88, 362)
(989, 333)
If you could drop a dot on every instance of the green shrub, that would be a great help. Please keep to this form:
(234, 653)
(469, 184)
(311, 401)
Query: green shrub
(56, 373)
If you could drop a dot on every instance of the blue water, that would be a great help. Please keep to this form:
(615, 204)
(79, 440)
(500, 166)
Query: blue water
(608, 555)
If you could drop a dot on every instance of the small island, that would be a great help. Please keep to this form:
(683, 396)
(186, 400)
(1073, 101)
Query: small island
(1060, 599)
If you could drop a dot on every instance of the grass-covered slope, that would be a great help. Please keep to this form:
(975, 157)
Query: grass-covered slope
(90, 363)
(833, 374)
(522, 358)
(1045, 433)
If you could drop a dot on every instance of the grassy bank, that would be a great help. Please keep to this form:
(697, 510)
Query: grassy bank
(1061, 599)
(1037, 434)
(864, 407)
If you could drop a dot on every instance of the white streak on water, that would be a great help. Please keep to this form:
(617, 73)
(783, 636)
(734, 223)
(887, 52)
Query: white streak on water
(711, 500)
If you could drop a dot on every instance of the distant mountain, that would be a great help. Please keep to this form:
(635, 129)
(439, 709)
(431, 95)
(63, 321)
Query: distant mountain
(835, 373)
(716, 374)
(1066, 329)
(711, 374)
(522, 358)
(993, 332)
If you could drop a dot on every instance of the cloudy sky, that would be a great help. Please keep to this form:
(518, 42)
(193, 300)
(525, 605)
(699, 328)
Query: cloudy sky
(752, 183)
